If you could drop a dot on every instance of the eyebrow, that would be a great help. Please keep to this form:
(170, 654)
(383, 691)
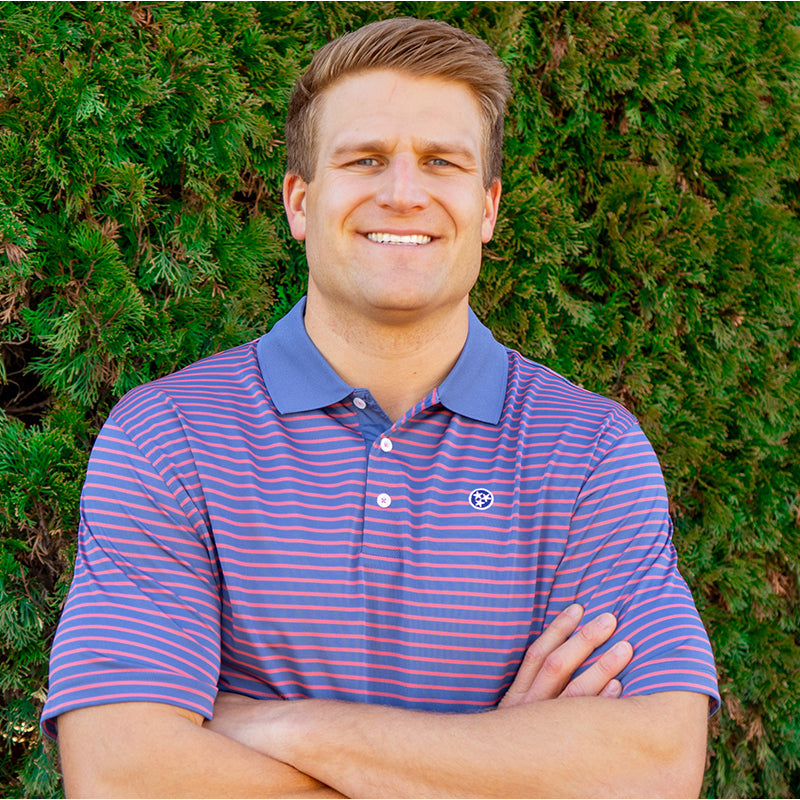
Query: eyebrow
(428, 146)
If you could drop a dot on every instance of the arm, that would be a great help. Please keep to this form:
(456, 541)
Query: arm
(142, 628)
(157, 750)
(579, 741)
(584, 747)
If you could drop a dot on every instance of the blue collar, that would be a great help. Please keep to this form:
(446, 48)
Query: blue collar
(299, 378)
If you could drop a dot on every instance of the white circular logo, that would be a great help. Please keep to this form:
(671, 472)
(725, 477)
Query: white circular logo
(481, 499)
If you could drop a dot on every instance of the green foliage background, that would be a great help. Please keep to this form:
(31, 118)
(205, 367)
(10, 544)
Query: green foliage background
(648, 249)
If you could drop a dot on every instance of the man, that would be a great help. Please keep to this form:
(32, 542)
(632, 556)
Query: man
(377, 513)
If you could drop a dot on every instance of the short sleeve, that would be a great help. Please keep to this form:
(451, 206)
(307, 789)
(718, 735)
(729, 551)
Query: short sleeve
(142, 618)
(620, 558)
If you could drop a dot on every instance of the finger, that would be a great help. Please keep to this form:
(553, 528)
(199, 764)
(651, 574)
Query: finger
(613, 689)
(558, 632)
(598, 677)
(557, 668)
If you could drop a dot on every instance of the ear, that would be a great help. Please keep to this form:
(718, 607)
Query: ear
(295, 190)
(491, 207)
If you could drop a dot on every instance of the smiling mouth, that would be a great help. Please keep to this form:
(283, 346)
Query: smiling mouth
(393, 238)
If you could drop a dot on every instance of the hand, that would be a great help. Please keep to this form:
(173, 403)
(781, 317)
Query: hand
(550, 661)
(250, 722)
(241, 718)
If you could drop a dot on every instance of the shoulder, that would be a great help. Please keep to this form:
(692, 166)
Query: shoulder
(216, 393)
(226, 375)
(537, 391)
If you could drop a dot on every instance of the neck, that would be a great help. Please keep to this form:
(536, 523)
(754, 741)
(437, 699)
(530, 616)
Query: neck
(399, 363)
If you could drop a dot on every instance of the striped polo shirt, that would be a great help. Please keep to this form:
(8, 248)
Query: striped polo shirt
(251, 523)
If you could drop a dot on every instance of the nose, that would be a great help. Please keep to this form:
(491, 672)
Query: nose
(402, 186)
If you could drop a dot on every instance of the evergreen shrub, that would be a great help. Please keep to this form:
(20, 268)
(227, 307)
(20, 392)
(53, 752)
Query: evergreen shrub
(647, 249)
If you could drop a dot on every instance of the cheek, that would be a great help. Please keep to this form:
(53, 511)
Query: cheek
(332, 216)
(471, 210)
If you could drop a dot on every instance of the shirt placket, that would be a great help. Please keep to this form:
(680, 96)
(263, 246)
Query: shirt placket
(381, 493)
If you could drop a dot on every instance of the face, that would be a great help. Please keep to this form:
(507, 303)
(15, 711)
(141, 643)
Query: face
(395, 216)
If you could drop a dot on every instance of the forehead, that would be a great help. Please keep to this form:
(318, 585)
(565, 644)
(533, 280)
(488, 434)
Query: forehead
(378, 104)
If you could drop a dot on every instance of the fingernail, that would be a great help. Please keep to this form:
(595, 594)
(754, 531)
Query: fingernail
(622, 649)
(574, 611)
(605, 620)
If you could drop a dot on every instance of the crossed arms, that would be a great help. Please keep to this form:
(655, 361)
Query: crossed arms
(550, 736)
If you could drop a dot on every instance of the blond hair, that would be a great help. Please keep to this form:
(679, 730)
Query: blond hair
(422, 48)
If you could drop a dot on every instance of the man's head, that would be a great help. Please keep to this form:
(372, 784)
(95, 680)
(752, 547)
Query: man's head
(420, 48)
(394, 137)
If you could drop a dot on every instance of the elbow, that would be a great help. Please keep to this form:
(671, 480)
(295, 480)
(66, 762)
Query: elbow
(89, 777)
(676, 747)
(89, 784)
(679, 772)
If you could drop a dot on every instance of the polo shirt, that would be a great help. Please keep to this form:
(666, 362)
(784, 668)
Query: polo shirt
(253, 524)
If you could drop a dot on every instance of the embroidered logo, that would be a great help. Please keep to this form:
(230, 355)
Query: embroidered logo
(481, 499)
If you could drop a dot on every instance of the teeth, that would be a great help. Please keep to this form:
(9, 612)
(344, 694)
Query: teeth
(391, 238)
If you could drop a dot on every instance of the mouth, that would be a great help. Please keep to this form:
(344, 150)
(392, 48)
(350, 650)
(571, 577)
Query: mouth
(401, 239)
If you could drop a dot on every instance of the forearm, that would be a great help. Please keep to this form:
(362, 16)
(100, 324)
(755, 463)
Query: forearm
(154, 750)
(643, 747)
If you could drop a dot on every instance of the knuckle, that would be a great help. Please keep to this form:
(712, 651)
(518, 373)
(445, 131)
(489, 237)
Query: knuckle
(553, 664)
(589, 633)
(536, 653)
(574, 689)
(607, 666)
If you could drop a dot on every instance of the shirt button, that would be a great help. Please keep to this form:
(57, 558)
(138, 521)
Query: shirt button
(384, 501)
(386, 444)
(359, 402)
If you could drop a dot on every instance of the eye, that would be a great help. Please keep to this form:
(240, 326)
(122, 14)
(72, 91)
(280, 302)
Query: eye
(440, 162)
(368, 161)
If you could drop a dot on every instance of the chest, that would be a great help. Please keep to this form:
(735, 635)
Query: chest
(413, 570)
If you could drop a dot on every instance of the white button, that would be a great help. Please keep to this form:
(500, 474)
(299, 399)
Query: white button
(359, 402)
(384, 501)
(386, 445)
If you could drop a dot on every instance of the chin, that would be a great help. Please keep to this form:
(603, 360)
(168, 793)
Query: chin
(409, 310)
